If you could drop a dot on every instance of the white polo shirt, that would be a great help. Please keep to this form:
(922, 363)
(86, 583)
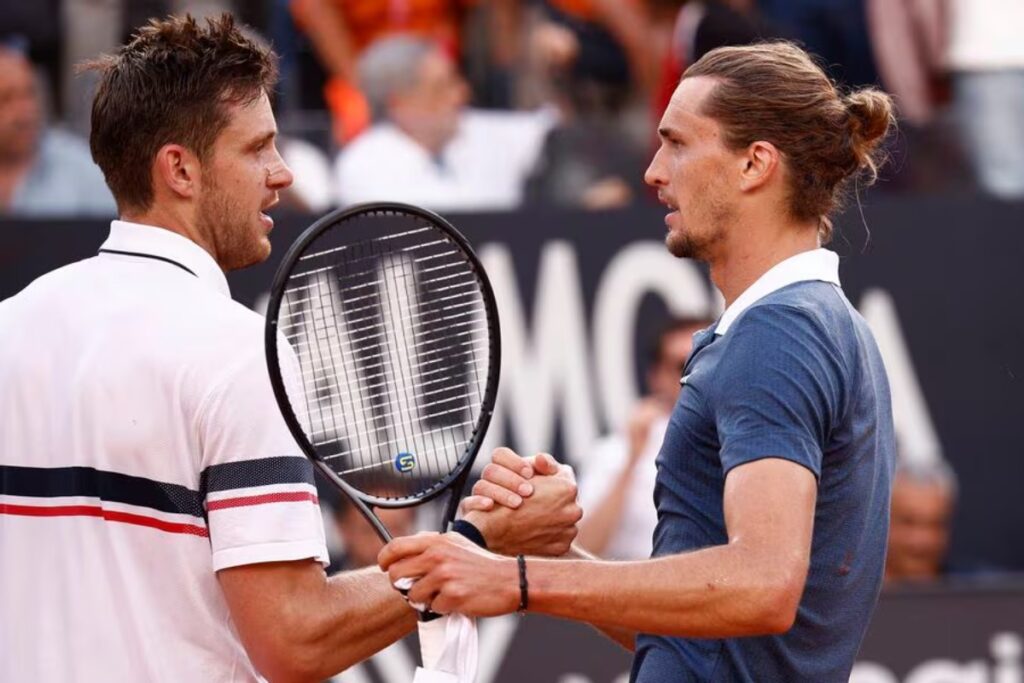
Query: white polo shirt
(141, 450)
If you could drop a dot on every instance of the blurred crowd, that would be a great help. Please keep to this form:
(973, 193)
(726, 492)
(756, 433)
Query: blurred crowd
(484, 105)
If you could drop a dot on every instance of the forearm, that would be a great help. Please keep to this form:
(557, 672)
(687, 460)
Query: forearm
(623, 636)
(317, 626)
(724, 591)
(631, 27)
(505, 20)
(364, 614)
(330, 39)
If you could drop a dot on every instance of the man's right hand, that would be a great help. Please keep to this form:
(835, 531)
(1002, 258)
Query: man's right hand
(525, 505)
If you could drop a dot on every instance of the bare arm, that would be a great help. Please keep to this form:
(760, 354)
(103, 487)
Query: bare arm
(630, 25)
(326, 29)
(299, 625)
(749, 586)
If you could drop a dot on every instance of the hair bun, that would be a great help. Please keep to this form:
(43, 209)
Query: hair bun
(872, 115)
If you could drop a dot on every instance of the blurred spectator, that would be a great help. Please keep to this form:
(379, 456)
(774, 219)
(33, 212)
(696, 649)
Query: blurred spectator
(909, 40)
(43, 171)
(425, 147)
(313, 188)
(37, 25)
(923, 496)
(618, 477)
(341, 31)
(613, 41)
(701, 26)
(834, 30)
(986, 56)
(593, 160)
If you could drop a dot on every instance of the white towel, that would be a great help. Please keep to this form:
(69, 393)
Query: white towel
(448, 645)
(449, 649)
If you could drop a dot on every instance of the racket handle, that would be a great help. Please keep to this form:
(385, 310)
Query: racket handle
(403, 586)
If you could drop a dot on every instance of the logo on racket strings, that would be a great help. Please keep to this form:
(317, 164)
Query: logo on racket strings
(405, 462)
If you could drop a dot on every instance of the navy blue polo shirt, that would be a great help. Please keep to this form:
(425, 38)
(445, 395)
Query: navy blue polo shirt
(790, 371)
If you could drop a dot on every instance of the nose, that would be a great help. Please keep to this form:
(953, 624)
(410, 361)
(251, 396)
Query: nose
(655, 173)
(279, 176)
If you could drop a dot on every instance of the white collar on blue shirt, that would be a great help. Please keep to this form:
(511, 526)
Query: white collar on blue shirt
(148, 241)
(816, 265)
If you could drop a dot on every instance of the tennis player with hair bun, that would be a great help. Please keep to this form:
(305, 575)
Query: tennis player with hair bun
(774, 476)
(158, 521)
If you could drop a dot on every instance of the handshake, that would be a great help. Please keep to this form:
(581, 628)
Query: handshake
(521, 506)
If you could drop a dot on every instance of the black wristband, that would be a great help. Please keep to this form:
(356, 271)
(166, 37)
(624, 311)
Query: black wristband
(469, 530)
(524, 587)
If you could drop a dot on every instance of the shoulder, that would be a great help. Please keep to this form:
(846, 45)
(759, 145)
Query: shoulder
(805, 311)
(56, 281)
(382, 138)
(797, 337)
(222, 321)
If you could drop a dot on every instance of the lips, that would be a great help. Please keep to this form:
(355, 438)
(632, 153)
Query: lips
(267, 221)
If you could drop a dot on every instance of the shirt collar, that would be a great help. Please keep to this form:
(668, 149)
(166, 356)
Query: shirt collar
(816, 265)
(150, 241)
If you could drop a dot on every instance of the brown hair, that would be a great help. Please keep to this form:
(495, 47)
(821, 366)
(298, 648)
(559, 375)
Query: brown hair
(776, 93)
(170, 84)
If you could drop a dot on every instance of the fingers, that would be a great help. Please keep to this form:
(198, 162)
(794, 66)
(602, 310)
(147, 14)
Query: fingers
(507, 458)
(507, 479)
(544, 463)
(497, 494)
(406, 546)
(423, 591)
(475, 504)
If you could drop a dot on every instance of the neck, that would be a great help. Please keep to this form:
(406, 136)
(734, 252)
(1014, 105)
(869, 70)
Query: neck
(754, 250)
(174, 221)
(431, 145)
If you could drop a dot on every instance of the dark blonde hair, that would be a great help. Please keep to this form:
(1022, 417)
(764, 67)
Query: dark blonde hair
(170, 84)
(775, 92)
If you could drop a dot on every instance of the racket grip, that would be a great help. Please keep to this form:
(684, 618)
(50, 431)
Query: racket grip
(403, 586)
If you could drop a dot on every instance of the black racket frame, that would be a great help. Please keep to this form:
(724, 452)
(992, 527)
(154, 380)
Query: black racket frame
(456, 479)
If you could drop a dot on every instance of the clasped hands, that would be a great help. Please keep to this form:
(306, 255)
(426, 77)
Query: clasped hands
(522, 506)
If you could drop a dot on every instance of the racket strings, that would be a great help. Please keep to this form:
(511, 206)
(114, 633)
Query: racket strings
(390, 332)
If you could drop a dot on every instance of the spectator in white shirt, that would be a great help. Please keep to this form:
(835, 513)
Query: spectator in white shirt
(618, 476)
(425, 146)
(986, 56)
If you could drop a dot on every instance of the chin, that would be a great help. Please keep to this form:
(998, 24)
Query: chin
(679, 245)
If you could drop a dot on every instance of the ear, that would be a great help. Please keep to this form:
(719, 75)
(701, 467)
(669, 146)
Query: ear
(760, 162)
(177, 169)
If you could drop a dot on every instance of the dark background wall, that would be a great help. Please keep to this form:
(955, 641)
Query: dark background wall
(954, 271)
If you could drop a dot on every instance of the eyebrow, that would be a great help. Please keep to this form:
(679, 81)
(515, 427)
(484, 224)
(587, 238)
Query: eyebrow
(266, 137)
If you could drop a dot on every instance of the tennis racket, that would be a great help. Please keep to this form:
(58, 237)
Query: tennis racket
(383, 347)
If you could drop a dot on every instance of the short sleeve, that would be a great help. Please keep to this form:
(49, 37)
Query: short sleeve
(257, 488)
(777, 390)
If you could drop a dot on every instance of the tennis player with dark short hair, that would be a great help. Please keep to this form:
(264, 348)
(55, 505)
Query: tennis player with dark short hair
(157, 519)
(774, 476)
